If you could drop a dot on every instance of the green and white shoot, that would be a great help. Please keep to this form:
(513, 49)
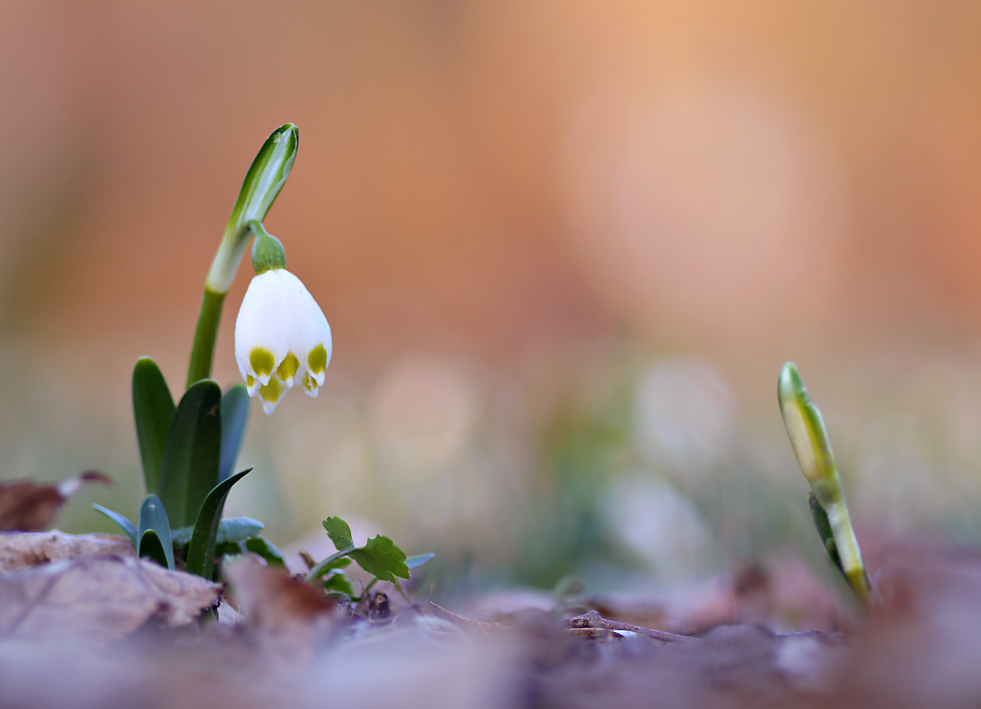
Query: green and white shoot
(281, 335)
(263, 182)
(809, 439)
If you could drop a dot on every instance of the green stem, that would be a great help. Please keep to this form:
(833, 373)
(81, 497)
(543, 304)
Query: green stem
(205, 336)
(315, 573)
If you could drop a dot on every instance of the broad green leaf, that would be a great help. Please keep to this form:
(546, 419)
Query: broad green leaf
(153, 411)
(235, 529)
(263, 548)
(154, 530)
(380, 557)
(189, 467)
(128, 527)
(337, 582)
(152, 548)
(234, 419)
(339, 532)
(201, 551)
(414, 562)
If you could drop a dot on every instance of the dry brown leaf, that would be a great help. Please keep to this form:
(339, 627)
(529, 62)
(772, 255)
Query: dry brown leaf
(28, 507)
(20, 550)
(98, 596)
(277, 604)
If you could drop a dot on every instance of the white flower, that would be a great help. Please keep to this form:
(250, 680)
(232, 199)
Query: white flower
(281, 338)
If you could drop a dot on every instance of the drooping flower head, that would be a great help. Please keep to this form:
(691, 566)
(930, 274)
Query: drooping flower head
(281, 335)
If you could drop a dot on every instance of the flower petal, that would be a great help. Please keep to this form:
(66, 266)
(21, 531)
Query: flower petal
(281, 338)
(271, 394)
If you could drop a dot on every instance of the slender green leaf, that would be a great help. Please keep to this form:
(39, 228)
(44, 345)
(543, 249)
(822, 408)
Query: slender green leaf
(380, 557)
(339, 532)
(234, 419)
(153, 411)
(128, 527)
(234, 530)
(414, 562)
(201, 551)
(823, 526)
(189, 467)
(154, 530)
(152, 548)
(263, 548)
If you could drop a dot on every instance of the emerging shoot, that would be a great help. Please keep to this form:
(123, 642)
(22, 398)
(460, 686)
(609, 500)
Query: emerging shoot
(813, 449)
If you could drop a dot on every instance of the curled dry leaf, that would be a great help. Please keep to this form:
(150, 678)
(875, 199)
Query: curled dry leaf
(18, 551)
(98, 596)
(277, 604)
(28, 507)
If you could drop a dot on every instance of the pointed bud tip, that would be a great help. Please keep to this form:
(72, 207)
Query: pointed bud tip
(804, 426)
(790, 387)
(290, 132)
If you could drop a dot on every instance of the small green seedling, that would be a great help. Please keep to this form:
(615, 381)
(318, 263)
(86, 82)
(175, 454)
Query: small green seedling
(378, 557)
(188, 450)
(809, 439)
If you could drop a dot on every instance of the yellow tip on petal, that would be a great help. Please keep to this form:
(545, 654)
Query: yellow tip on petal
(317, 359)
(271, 394)
(311, 385)
(262, 362)
(287, 369)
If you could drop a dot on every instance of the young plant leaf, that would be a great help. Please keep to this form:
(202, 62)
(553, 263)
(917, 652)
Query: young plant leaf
(234, 530)
(339, 532)
(128, 527)
(337, 582)
(189, 467)
(264, 549)
(811, 445)
(414, 562)
(823, 526)
(234, 419)
(322, 569)
(153, 411)
(152, 548)
(154, 532)
(201, 551)
(380, 557)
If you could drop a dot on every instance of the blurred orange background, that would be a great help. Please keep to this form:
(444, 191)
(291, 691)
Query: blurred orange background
(493, 202)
